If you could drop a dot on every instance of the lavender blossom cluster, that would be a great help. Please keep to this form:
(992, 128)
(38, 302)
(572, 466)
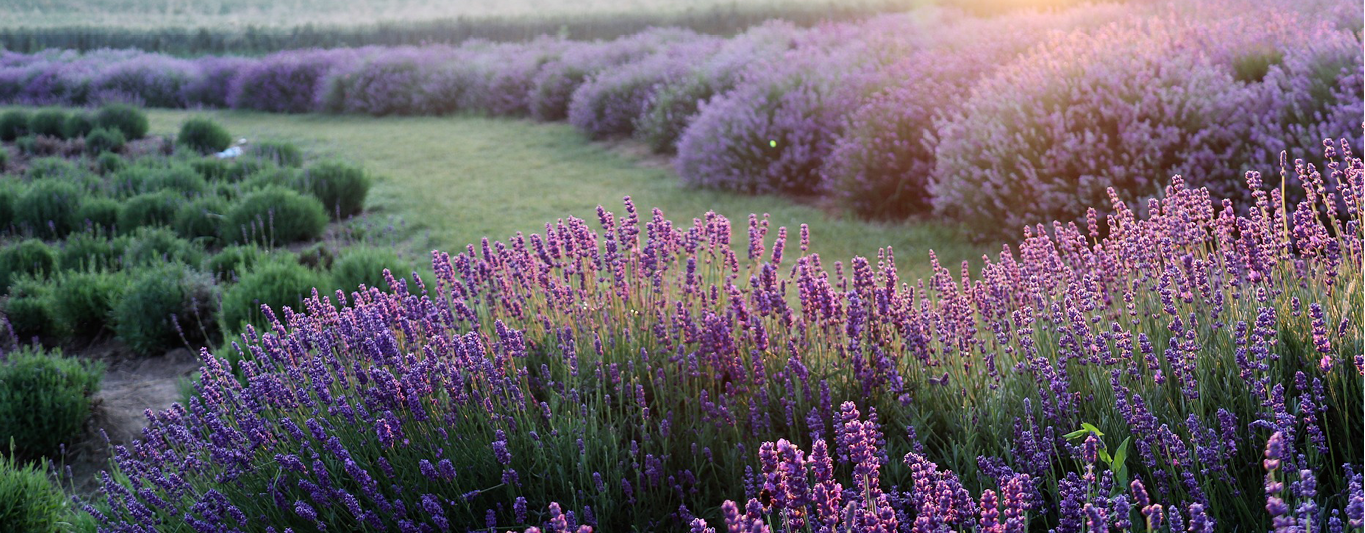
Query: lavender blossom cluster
(633, 372)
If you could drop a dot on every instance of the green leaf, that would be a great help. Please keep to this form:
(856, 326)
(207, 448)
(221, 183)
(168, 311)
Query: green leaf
(1120, 455)
(1076, 434)
(1091, 428)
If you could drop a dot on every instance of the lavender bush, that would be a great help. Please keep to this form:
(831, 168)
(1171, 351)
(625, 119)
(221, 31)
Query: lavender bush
(880, 165)
(623, 374)
(287, 82)
(397, 81)
(610, 102)
(556, 81)
(773, 132)
(675, 102)
(1051, 132)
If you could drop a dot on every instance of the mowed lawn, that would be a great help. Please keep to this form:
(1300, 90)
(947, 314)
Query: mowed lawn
(450, 181)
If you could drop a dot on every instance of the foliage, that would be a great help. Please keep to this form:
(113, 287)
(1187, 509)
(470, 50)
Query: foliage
(78, 124)
(204, 135)
(201, 220)
(277, 283)
(99, 213)
(365, 265)
(149, 246)
(165, 306)
(279, 153)
(44, 400)
(129, 120)
(631, 350)
(13, 124)
(48, 208)
(228, 265)
(26, 257)
(49, 122)
(89, 250)
(84, 299)
(31, 313)
(108, 162)
(102, 140)
(29, 500)
(340, 186)
(274, 215)
(149, 209)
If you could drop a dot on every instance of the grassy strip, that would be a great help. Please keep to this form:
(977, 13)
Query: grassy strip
(450, 181)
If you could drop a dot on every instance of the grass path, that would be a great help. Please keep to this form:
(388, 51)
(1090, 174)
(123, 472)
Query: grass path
(449, 181)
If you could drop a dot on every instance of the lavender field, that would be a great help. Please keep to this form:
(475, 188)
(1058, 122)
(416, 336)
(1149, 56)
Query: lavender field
(1169, 337)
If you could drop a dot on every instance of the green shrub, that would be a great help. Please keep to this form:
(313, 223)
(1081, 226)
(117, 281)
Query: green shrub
(44, 401)
(275, 283)
(165, 306)
(319, 256)
(150, 209)
(29, 500)
(275, 216)
(84, 299)
(48, 122)
(129, 181)
(13, 124)
(240, 169)
(4, 158)
(210, 168)
(100, 213)
(9, 197)
(103, 139)
(48, 208)
(31, 312)
(340, 187)
(26, 144)
(288, 178)
(78, 124)
(201, 219)
(278, 152)
(108, 162)
(204, 135)
(150, 246)
(229, 264)
(123, 117)
(183, 180)
(88, 250)
(30, 256)
(365, 265)
(52, 167)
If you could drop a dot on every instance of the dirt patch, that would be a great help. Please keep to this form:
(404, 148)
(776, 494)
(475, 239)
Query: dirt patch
(132, 385)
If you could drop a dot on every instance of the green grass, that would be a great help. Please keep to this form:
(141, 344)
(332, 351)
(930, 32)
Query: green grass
(451, 181)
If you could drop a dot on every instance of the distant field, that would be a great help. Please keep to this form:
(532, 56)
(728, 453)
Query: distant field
(451, 181)
(272, 13)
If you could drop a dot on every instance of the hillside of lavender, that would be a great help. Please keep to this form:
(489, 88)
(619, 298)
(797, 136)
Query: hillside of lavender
(994, 122)
(1171, 337)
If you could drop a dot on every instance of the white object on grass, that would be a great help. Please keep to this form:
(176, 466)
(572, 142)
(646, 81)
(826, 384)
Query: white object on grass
(234, 151)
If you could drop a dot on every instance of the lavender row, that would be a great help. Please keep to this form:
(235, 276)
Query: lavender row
(1188, 365)
(995, 122)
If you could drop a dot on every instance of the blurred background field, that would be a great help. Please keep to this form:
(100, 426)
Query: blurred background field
(260, 26)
